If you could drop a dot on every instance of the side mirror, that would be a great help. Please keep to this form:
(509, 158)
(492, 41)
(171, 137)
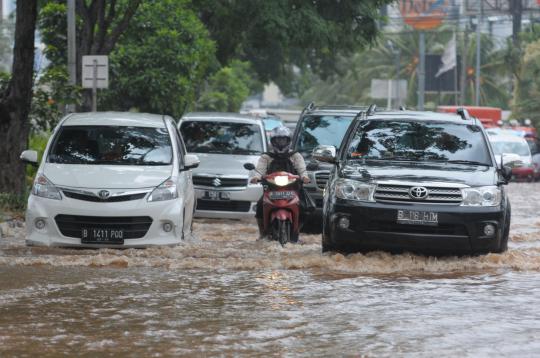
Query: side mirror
(325, 153)
(191, 161)
(506, 173)
(511, 160)
(30, 157)
(249, 166)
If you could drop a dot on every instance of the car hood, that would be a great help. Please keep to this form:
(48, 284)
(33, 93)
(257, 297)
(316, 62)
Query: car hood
(106, 176)
(224, 164)
(415, 172)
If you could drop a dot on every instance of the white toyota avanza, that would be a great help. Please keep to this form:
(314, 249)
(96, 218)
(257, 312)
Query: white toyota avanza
(111, 180)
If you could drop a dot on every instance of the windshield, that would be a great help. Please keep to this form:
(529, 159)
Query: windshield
(419, 141)
(116, 145)
(520, 148)
(321, 130)
(222, 137)
(271, 123)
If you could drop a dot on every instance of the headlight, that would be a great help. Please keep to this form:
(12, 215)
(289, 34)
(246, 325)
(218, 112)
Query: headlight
(44, 188)
(165, 191)
(481, 196)
(281, 180)
(354, 190)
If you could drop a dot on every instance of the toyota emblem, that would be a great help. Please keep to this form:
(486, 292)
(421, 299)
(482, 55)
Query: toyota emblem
(104, 194)
(418, 192)
(216, 182)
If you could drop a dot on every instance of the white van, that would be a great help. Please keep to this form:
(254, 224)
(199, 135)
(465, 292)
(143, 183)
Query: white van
(111, 180)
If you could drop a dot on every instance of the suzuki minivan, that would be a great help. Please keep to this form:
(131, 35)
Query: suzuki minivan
(111, 180)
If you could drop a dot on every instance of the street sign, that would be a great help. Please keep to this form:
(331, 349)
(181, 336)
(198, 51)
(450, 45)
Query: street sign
(95, 71)
(425, 14)
(389, 90)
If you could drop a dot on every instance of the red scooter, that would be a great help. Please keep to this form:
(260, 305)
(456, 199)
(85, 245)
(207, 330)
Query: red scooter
(281, 205)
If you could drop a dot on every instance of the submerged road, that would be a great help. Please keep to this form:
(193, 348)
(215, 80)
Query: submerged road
(224, 293)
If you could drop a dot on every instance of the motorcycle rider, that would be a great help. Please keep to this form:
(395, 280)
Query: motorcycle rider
(281, 158)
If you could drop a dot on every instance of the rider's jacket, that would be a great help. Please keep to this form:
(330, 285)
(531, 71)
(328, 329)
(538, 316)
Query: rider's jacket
(291, 162)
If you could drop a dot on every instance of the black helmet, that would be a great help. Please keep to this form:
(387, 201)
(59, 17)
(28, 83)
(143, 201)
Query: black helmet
(280, 138)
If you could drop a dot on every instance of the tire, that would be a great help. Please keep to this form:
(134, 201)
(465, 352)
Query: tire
(503, 245)
(281, 231)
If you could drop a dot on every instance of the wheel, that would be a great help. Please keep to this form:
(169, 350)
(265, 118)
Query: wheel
(281, 231)
(503, 245)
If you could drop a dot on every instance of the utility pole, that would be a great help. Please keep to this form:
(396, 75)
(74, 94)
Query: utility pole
(421, 70)
(71, 39)
(478, 52)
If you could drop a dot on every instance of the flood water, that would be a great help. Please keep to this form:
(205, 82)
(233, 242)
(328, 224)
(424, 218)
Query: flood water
(223, 293)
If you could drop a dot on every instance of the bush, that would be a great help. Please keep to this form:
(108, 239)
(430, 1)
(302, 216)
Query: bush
(12, 203)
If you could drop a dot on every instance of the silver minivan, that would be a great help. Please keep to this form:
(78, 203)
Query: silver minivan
(223, 143)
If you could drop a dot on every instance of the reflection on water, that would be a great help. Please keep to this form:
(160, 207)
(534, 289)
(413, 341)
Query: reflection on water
(224, 293)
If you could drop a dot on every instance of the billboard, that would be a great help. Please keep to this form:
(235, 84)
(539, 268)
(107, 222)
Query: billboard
(424, 14)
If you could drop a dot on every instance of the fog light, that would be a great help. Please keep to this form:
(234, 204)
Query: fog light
(344, 223)
(489, 230)
(40, 224)
(167, 227)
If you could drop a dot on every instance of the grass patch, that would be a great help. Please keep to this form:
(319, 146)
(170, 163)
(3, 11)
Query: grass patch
(12, 204)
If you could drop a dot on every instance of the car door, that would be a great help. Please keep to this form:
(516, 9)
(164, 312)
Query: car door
(185, 180)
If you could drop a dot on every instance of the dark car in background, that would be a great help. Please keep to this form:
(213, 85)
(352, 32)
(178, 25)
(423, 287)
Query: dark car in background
(415, 181)
(320, 125)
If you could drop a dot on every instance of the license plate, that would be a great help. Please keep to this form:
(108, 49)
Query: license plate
(281, 195)
(217, 195)
(413, 217)
(102, 236)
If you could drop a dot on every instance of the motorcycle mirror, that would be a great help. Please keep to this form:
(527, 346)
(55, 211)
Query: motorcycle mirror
(249, 166)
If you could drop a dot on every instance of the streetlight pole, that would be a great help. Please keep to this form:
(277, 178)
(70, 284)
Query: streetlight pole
(421, 71)
(478, 53)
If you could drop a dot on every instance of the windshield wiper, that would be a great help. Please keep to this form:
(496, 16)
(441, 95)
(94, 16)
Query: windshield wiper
(472, 162)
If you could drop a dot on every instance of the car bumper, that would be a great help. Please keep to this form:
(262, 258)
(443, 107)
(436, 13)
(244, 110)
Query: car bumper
(170, 211)
(242, 203)
(373, 226)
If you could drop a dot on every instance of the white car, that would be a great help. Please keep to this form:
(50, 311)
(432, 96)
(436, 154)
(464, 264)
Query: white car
(505, 145)
(224, 142)
(111, 180)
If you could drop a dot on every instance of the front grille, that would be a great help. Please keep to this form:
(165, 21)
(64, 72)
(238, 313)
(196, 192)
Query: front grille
(113, 199)
(134, 227)
(223, 205)
(441, 229)
(397, 192)
(221, 182)
(322, 178)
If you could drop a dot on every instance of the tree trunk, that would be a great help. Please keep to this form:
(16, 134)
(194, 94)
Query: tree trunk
(15, 101)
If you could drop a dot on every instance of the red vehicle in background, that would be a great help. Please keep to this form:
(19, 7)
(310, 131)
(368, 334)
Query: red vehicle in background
(489, 116)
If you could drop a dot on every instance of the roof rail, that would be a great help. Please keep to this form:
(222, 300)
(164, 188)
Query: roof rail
(372, 108)
(332, 106)
(402, 108)
(463, 113)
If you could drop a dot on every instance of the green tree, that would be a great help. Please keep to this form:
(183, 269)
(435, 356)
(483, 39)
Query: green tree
(161, 61)
(527, 90)
(277, 35)
(228, 88)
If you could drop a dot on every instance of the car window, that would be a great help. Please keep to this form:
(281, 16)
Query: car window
(321, 130)
(418, 141)
(222, 137)
(520, 148)
(116, 145)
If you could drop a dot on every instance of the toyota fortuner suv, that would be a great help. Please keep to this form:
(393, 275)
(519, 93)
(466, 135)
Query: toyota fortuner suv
(320, 125)
(415, 181)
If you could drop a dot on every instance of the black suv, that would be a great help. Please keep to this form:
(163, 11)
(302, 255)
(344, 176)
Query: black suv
(415, 181)
(320, 125)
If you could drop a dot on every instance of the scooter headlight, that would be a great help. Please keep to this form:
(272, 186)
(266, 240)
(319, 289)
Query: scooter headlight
(165, 191)
(44, 188)
(281, 180)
